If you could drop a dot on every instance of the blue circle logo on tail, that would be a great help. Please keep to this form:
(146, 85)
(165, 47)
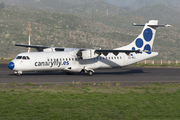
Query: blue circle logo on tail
(147, 47)
(139, 43)
(148, 34)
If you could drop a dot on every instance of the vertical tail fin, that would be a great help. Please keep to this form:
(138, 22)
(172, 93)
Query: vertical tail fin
(145, 40)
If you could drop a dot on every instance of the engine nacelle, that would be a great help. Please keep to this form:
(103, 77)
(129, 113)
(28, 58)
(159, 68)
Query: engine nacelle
(53, 49)
(49, 50)
(87, 54)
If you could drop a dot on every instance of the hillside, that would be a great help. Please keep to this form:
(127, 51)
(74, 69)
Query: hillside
(79, 2)
(57, 28)
(51, 29)
(96, 8)
(49, 5)
(121, 3)
(142, 3)
(86, 6)
(160, 12)
(117, 21)
(18, 1)
(73, 2)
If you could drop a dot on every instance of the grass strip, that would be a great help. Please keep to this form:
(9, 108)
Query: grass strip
(155, 65)
(79, 102)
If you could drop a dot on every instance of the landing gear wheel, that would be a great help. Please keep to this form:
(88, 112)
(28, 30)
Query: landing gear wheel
(89, 73)
(69, 73)
(18, 74)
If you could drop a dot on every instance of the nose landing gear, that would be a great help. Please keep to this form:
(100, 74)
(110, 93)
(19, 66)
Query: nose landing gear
(18, 73)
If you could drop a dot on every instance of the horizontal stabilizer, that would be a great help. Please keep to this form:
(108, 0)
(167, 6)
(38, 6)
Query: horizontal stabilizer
(166, 25)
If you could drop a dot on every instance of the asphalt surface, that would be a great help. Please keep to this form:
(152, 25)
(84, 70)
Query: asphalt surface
(127, 76)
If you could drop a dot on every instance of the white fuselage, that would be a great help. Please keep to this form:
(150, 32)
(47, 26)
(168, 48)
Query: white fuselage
(65, 61)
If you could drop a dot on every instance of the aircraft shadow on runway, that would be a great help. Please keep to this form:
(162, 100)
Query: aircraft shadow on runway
(122, 72)
(108, 72)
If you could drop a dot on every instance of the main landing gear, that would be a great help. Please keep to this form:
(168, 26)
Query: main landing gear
(88, 72)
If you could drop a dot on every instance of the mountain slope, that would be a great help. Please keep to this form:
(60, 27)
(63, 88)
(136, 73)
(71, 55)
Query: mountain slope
(77, 6)
(142, 3)
(54, 28)
(160, 12)
(96, 8)
(121, 3)
(18, 1)
(79, 2)
(51, 29)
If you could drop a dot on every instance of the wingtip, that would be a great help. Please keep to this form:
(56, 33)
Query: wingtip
(168, 25)
(134, 24)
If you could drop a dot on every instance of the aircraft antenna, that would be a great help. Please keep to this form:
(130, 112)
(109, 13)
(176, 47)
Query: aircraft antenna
(29, 49)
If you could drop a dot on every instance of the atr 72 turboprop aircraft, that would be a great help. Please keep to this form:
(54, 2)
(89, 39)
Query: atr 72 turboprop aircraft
(71, 60)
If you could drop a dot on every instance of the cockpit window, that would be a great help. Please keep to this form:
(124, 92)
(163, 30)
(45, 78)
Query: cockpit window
(23, 57)
(19, 57)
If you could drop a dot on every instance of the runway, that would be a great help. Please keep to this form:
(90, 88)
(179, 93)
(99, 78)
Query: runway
(127, 75)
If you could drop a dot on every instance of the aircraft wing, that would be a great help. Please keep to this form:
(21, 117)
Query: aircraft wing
(116, 52)
(40, 48)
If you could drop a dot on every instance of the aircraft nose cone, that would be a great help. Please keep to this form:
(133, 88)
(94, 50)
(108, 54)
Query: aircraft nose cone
(11, 65)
